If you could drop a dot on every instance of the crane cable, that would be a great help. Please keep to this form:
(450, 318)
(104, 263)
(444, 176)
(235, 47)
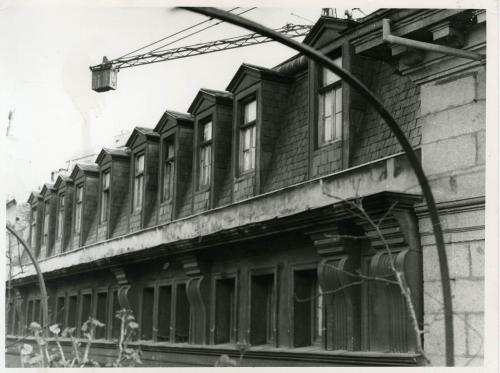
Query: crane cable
(179, 32)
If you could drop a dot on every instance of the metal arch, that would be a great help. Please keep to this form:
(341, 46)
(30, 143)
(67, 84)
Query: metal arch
(41, 281)
(350, 79)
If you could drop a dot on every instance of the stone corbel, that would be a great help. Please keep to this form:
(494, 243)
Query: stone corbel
(196, 287)
(123, 287)
(445, 34)
(338, 277)
(480, 15)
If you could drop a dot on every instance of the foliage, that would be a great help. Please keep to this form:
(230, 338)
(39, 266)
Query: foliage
(55, 357)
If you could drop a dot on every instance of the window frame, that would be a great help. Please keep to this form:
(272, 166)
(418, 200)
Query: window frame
(105, 196)
(335, 87)
(138, 203)
(233, 334)
(46, 222)
(79, 207)
(167, 193)
(60, 216)
(274, 322)
(243, 127)
(204, 183)
(316, 338)
(33, 226)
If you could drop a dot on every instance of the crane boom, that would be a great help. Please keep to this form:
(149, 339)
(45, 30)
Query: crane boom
(104, 74)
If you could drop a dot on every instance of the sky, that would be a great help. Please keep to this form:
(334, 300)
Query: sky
(45, 56)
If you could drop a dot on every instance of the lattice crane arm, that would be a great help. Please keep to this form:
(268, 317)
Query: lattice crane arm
(104, 75)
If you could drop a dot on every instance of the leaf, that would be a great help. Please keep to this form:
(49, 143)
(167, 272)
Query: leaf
(54, 329)
(26, 349)
(35, 359)
(97, 323)
(35, 326)
(133, 325)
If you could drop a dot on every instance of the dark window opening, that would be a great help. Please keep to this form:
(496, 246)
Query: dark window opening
(116, 324)
(205, 165)
(138, 182)
(29, 315)
(34, 242)
(182, 315)
(60, 307)
(101, 314)
(86, 307)
(36, 312)
(45, 237)
(72, 322)
(164, 313)
(262, 310)
(11, 318)
(225, 310)
(308, 309)
(148, 296)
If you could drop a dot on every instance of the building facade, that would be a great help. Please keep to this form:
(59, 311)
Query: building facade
(233, 224)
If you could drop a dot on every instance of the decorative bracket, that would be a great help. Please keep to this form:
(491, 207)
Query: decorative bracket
(123, 287)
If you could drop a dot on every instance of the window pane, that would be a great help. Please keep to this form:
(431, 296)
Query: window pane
(170, 150)
(338, 125)
(328, 103)
(338, 100)
(328, 76)
(207, 132)
(250, 112)
(328, 129)
(139, 164)
(105, 180)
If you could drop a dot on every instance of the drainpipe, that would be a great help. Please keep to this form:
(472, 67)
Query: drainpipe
(392, 39)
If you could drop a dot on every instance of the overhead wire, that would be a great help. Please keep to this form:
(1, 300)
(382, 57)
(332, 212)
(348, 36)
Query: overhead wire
(186, 36)
(180, 32)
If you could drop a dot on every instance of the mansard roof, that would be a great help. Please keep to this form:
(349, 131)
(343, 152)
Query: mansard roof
(62, 179)
(181, 118)
(147, 133)
(33, 197)
(258, 72)
(118, 153)
(86, 168)
(211, 94)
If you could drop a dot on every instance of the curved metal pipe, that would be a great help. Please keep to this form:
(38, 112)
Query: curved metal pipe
(350, 79)
(41, 282)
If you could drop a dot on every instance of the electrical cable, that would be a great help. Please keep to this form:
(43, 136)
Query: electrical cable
(172, 35)
(186, 36)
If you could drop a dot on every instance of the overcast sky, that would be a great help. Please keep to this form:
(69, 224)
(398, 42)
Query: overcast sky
(45, 54)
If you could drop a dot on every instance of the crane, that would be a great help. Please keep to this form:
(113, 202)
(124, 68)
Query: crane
(104, 75)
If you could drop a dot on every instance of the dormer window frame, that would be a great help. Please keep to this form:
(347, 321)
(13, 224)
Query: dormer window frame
(79, 191)
(138, 180)
(247, 130)
(34, 226)
(205, 147)
(168, 167)
(46, 223)
(60, 216)
(105, 195)
(329, 84)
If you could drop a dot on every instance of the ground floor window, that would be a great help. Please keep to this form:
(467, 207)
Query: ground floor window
(225, 310)
(72, 312)
(60, 308)
(115, 323)
(164, 312)
(148, 296)
(308, 308)
(262, 309)
(101, 313)
(182, 315)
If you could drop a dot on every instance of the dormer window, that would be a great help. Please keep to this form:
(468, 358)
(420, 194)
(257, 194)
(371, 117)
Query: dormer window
(105, 196)
(78, 208)
(33, 226)
(60, 217)
(330, 106)
(138, 181)
(205, 153)
(168, 168)
(247, 136)
(45, 237)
